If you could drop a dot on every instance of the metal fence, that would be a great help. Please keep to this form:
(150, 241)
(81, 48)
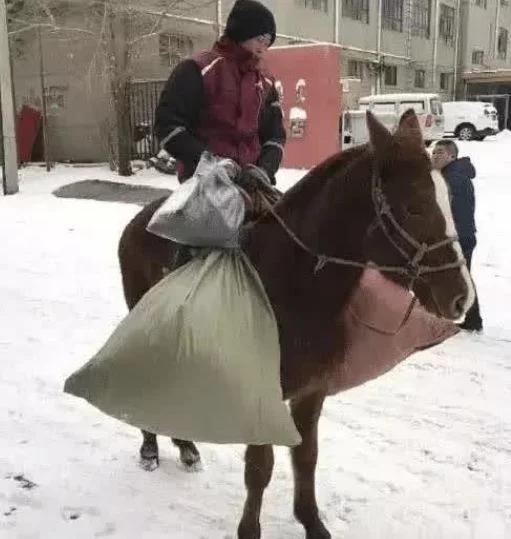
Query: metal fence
(144, 96)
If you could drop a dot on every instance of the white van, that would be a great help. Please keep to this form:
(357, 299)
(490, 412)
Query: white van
(428, 108)
(470, 120)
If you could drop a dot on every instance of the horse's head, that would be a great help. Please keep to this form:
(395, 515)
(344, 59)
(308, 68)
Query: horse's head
(414, 226)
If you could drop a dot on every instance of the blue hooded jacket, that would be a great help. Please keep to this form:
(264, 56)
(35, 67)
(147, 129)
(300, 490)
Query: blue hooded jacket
(459, 175)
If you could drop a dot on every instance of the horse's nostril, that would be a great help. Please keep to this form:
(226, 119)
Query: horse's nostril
(458, 306)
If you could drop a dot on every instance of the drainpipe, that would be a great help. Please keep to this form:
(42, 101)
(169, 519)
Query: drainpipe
(456, 49)
(378, 46)
(219, 22)
(497, 26)
(46, 139)
(435, 43)
(337, 14)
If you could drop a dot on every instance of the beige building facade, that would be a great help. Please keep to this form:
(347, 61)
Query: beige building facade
(453, 47)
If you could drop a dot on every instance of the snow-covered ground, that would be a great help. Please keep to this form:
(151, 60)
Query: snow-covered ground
(423, 452)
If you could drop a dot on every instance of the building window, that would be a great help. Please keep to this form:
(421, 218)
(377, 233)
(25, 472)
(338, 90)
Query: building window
(502, 43)
(392, 17)
(390, 75)
(173, 48)
(356, 9)
(355, 69)
(447, 31)
(318, 5)
(446, 80)
(420, 78)
(481, 3)
(421, 17)
(478, 57)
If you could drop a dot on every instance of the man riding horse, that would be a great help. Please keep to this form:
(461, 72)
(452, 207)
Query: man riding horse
(392, 211)
(223, 101)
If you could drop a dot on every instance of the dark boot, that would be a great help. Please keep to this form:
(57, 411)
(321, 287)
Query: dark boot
(473, 320)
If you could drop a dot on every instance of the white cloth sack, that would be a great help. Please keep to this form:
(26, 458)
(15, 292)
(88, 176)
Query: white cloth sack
(207, 210)
(198, 358)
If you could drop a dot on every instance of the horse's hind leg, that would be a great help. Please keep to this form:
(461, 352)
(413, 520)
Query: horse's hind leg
(306, 412)
(259, 462)
(149, 459)
(188, 454)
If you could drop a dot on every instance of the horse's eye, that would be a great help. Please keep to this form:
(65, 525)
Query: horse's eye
(414, 211)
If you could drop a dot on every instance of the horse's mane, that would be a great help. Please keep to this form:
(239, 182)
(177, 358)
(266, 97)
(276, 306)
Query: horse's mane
(314, 189)
(334, 166)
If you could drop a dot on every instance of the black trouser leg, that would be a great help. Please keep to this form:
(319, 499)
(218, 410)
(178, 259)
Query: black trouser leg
(473, 320)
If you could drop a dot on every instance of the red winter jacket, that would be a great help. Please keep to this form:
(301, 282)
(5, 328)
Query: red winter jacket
(222, 102)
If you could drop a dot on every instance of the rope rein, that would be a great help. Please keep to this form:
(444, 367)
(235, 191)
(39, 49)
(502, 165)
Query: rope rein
(413, 268)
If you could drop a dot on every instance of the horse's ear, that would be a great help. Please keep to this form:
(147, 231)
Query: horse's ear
(409, 127)
(379, 136)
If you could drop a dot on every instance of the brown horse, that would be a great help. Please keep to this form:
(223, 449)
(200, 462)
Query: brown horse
(378, 204)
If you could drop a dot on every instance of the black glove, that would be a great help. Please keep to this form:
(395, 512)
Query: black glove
(252, 178)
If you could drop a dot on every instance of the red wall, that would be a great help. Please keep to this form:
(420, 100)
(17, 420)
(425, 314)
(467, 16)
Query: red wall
(319, 66)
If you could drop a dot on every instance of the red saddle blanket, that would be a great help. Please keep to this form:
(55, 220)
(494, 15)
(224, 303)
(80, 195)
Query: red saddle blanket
(383, 326)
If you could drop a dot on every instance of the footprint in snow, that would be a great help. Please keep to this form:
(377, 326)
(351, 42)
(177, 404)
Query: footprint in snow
(74, 513)
(11, 511)
(22, 481)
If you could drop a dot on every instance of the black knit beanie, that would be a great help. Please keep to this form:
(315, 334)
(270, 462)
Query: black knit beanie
(249, 19)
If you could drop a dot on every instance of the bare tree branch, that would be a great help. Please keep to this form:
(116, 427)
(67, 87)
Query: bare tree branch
(52, 27)
(154, 30)
(109, 31)
(47, 11)
(101, 38)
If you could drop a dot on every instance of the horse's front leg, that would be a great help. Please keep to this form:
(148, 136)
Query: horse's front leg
(188, 454)
(149, 458)
(306, 412)
(259, 462)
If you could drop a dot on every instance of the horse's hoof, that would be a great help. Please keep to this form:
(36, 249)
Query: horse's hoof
(190, 459)
(318, 531)
(249, 532)
(191, 463)
(149, 464)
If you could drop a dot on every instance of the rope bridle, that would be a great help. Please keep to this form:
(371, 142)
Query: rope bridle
(413, 269)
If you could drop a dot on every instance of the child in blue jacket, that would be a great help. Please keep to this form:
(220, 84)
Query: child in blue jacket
(459, 173)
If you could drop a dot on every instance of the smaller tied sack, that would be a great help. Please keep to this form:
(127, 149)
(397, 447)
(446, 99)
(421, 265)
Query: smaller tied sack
(207, 210)
(383, 325)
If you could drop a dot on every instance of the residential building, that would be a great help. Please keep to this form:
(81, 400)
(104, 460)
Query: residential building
(485, 54)
(452, 47)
